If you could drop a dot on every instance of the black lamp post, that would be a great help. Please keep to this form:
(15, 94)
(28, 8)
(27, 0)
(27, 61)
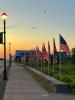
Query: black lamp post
(4, 17)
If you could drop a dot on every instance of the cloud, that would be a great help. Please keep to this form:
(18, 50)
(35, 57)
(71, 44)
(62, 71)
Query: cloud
(44, 10)
(33, 27)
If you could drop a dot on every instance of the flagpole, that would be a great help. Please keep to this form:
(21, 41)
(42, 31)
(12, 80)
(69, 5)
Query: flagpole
(38, 64)
(53, 64)
(60, 63)
(53, 57)
(35, 63)
(44, 65)
(41, 64)
(48, 56)
(48, 67)
(59, 58)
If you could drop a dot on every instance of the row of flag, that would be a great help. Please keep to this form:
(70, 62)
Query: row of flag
(46, 55)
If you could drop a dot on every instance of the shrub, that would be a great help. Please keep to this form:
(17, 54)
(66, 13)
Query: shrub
(66, 78)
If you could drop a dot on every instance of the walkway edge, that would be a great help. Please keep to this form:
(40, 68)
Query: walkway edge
(49, 83)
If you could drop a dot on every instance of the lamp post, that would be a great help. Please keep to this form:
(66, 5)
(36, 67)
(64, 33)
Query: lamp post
(4, 17)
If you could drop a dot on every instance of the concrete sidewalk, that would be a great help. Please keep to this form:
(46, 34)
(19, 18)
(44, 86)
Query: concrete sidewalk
(21, 86)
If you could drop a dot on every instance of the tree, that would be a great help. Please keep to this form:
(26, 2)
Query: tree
(73, 55)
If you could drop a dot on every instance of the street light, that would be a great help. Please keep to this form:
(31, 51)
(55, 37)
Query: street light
(4, 17)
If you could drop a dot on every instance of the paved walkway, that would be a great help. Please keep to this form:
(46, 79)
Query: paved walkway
(21, 86)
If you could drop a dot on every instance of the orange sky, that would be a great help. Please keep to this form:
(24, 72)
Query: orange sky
(28, 39)
(28, 45)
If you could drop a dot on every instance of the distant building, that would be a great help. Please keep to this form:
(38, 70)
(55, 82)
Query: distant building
(28, 53)
(20, 53)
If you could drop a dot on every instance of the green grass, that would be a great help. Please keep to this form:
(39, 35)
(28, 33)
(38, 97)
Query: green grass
(67, 73)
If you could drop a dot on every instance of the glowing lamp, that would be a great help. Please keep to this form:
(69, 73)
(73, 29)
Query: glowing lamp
(4, 16)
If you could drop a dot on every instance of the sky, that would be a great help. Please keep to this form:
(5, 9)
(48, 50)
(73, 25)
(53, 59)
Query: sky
(32, 22)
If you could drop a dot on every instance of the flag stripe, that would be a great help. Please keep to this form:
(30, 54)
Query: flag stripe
(55, 52)
(63, 45)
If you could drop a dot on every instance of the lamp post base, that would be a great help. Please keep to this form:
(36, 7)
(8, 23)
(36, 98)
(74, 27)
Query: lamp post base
(5, 78)
(5, 75)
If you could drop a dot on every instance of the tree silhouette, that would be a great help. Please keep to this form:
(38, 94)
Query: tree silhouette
(73, 55)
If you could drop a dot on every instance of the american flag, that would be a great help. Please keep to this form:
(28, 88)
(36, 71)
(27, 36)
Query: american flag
(55, 60)
(44, 52)
(49, 60)
(48, 48)
(63, 46)
(38, 53)
(23, 57)
(33, 57)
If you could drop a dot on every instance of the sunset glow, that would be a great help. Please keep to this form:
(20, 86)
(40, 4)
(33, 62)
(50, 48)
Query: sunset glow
(37, 21)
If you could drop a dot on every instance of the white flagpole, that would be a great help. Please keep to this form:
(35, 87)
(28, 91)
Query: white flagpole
(35, 63)
(53, 57)
(59, 57)
(53, 64)
(44, 65)
(60, 63)
(38, 64)
(41, 64)
(48, 67)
